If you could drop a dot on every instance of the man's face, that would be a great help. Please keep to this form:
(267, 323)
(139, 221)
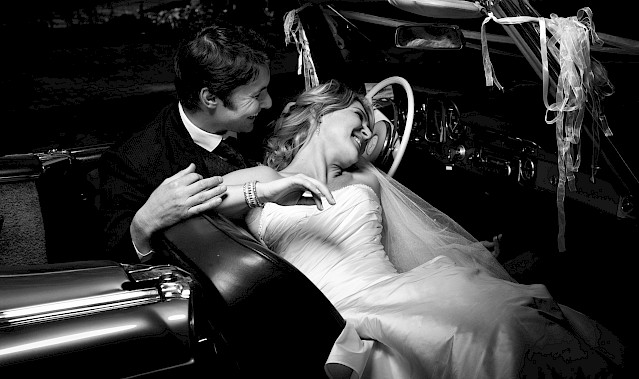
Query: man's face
(245, 103)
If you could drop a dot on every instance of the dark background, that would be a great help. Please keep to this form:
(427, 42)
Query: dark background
(80, 72)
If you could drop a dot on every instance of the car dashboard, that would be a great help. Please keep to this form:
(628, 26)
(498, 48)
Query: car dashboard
(480, 145)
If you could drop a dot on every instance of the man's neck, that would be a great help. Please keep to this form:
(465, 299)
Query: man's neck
(208, 141)
(202, 120)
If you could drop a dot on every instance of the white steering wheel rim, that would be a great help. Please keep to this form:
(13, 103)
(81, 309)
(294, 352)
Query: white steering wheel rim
(409, 117)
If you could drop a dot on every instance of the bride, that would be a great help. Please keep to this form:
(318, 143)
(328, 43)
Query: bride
(422, 298)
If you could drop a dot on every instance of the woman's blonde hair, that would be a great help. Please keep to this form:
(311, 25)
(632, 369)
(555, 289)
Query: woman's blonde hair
(295, 125)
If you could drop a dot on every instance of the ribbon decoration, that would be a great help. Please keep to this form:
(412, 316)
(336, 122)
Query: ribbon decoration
(294, 32)
(576, 87)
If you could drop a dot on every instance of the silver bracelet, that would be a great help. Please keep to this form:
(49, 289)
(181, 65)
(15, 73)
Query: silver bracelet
(257, 199)
(250, 195)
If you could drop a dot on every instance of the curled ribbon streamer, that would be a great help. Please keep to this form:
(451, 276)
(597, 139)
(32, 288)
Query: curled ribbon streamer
(294, 32)
(488, 66)
(489, 71)
(570, 45)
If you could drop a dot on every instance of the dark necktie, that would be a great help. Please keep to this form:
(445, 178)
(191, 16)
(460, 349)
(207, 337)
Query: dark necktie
(226, 150)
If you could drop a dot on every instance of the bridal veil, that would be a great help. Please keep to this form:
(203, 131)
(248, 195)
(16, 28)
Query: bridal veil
(416, 232)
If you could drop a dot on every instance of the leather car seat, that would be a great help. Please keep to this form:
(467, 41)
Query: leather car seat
(271, 319)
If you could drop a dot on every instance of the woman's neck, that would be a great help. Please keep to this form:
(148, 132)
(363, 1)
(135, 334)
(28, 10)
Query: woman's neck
(312, 162)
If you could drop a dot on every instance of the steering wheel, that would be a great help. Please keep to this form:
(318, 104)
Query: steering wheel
(385, 139)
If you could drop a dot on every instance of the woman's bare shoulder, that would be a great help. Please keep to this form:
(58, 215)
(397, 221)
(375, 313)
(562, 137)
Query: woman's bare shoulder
(365, 177)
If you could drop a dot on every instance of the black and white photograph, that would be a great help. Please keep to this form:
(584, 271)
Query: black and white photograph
(341, 189)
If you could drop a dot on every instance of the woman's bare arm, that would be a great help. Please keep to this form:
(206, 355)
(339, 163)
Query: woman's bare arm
(233, 203)
(271, 187)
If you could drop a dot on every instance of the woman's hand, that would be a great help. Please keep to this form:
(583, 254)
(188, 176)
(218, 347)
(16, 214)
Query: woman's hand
(290, 190)
(493, 246)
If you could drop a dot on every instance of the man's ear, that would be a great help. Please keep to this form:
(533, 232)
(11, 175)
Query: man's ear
(208, 99)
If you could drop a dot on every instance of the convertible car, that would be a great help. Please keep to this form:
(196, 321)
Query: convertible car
(514, 117)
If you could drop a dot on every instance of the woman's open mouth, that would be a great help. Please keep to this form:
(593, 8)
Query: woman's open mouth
(358, 142)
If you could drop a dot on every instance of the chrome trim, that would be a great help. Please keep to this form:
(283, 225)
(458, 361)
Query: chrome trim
(89, 152)
(175, 290)
(19, 167)
(18, 178)
(77, 307)
(174, 282)
(52, 157)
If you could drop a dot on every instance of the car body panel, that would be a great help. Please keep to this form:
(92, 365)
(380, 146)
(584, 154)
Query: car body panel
(53, 316)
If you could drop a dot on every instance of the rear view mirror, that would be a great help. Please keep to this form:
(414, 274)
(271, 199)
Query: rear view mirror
(429, 37)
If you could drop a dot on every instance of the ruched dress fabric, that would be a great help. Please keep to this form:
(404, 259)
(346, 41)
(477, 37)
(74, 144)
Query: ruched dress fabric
(438, 320)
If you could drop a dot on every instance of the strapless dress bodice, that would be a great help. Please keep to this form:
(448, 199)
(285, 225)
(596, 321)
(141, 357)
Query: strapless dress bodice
(338, 248)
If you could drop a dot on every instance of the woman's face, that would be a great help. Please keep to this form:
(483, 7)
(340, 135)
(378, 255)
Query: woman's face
(344, 134)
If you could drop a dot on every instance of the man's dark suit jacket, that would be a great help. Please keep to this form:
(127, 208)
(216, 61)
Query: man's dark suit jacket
(133, 169)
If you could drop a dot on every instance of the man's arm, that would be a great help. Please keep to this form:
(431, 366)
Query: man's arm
(178, 197)
(131, 216)
(122, 193)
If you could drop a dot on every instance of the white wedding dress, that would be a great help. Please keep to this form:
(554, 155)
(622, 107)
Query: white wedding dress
(437, 320)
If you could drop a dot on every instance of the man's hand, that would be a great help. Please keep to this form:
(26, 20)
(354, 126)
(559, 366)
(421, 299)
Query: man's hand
(178, 197)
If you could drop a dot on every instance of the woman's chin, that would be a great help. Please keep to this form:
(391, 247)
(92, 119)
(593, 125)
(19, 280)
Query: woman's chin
(351, 162)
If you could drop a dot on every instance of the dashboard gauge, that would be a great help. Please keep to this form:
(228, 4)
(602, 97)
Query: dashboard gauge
(442, 121)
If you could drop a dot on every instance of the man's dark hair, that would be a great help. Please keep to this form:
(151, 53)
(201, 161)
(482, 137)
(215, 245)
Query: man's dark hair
(220, 57)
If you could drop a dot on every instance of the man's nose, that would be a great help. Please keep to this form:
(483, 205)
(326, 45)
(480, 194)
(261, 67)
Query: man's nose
(267, 102)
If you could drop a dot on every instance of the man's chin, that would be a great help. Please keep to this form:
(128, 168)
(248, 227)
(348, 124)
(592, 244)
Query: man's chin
(247, 128)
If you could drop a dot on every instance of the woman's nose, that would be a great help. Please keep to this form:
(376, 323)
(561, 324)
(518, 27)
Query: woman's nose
(366, 132)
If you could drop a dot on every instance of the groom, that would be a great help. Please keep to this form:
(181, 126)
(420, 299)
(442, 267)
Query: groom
(171, 170)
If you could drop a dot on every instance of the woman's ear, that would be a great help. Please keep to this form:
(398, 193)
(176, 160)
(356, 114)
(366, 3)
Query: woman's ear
(317, 123)
(208, 99)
